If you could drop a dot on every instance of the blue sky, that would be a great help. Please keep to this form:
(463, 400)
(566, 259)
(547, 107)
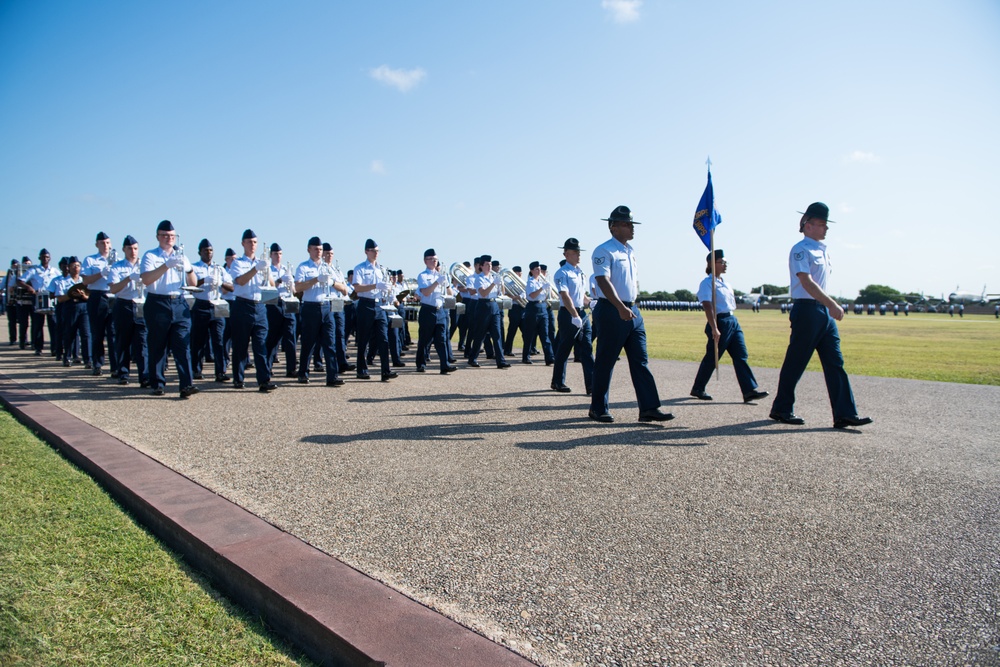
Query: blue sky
(505, 128)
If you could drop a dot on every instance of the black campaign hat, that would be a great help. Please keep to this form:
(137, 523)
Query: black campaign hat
(248, 234)
(620, 214)
(718, 255)
(165, 226)
(817, 210)
(571, 244)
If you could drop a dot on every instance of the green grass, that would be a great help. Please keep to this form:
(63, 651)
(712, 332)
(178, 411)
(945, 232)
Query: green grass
(922, 346)
(82, 584)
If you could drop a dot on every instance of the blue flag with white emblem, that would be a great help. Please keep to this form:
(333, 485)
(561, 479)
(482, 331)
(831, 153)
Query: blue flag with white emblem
(706, 218)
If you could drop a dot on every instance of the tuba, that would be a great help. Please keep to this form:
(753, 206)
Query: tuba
(460, 275)
(514, 286)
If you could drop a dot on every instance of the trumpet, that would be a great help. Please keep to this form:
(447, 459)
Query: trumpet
(268, 293)
(514, 286)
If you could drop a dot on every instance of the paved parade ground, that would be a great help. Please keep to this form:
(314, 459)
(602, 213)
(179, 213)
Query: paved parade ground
(719, 538)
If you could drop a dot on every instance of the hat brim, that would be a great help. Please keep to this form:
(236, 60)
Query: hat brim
(803, 213)
(562, 247)
(634, 222)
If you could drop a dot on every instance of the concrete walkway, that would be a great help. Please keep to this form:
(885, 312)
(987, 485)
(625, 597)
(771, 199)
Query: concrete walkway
(721, 538)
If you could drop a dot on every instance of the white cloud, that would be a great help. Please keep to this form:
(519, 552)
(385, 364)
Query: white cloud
(401, 79)
(862, 156)
(622, 11)
(378, 167)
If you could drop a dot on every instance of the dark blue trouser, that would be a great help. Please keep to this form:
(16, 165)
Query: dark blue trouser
(488, 326)
(130, 341)
(513, 326)
(617, 335)
(319, 335)
(211, 330)
(432, 328)
(38, 324)
(373, 329)
(814, 329)
(11, 320)
(168, 325)
(280, 329)
(536, 325)
(465, 334)
(340, 339)
(731, 341)
(248, 320)
(76, 323)
(101, 326)
(570, 338)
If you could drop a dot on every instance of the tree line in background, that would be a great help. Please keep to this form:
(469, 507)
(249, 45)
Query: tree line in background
(870, 294)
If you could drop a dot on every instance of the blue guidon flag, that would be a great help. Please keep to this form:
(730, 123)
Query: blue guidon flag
(706, 218)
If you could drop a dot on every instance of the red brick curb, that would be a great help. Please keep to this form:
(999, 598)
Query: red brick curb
(335, 614)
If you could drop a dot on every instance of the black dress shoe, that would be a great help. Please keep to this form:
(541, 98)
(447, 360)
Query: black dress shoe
(158, 391)
(398, 364)
(266, 387)
(239, 385)
(389, 376)
(655, 415)
(364, 376)
(197, 376)
(421, 369)
(527, 361)
(473, 363)
(123, 381)
(844, 422)
(143, 384)
(303, 380)
(66, 363)
(98, 371)
(561, 388)
(335, 383)
(788, 418)
(347, 367)
(754, 396)
(448, 369)
(604, 417)
(701, 395)
(293, 374)
(190, 390)
(222, 378)
(502, 365)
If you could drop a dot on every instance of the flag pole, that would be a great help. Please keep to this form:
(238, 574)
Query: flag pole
(711, 263)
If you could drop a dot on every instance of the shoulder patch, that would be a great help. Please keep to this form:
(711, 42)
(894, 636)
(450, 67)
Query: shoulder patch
(599, 260)
(799, 256)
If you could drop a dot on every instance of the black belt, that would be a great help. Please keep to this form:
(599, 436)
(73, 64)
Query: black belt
(806, 301)
(165, 297)
(246, 300)
(627, 303)
(722, 316)
(434, 308)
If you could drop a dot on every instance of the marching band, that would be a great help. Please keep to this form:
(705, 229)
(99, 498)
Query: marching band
(208, 313)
